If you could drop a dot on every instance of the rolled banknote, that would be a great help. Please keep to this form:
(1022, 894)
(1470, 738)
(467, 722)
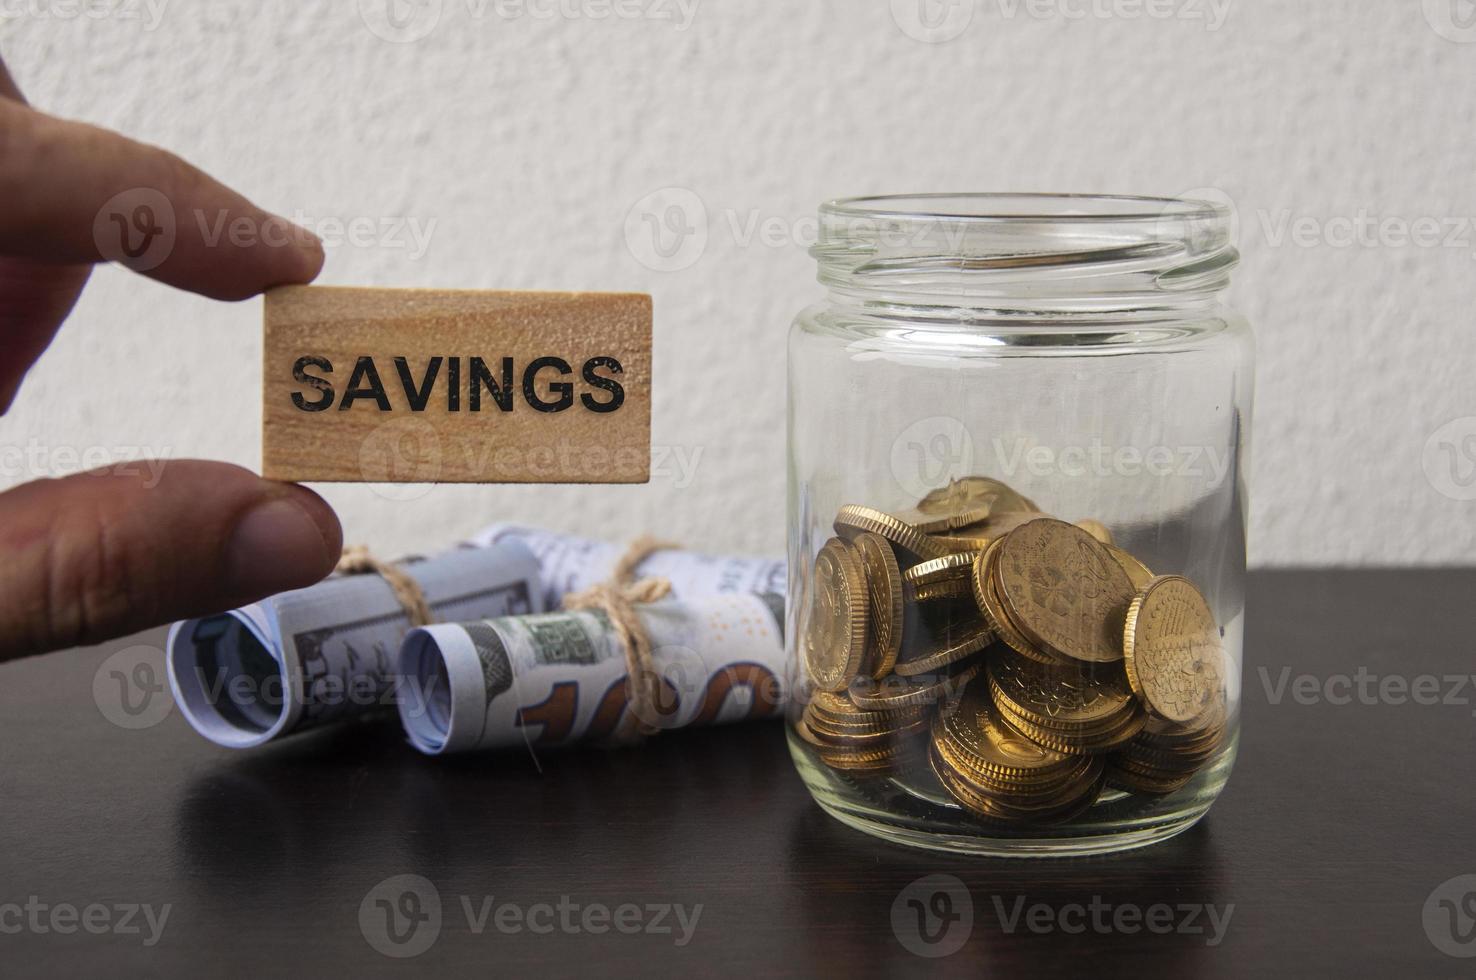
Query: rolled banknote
(573, 564)
(326, 653)
(558, 678)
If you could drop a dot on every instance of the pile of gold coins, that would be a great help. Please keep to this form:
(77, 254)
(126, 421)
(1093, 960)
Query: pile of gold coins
(1027, 663)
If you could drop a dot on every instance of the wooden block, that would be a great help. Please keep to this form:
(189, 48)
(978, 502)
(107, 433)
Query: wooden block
(431, 386)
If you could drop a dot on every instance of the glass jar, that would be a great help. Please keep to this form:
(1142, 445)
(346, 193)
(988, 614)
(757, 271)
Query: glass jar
(1017, 446)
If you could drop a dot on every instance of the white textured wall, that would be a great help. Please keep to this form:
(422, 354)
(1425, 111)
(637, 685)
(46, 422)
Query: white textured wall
(526, 141)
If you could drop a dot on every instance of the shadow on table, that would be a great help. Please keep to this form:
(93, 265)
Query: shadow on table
(356, 802)
(892, 907)
(300, 832)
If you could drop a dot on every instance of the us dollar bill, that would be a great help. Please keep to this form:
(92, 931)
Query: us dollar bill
(559, 678)
(327, 653)
(572, 564)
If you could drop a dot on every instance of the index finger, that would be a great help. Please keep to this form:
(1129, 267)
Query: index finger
(78, 193)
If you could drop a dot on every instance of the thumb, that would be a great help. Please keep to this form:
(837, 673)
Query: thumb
(104, 554)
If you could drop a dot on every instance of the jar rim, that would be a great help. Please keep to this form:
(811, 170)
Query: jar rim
(1026, 207)
(1026, 252)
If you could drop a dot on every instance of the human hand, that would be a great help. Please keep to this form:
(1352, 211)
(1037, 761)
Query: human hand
(98, 555)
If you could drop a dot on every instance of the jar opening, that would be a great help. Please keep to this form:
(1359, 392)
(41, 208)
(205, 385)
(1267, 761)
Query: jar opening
(1031, 252)
(1024, 207)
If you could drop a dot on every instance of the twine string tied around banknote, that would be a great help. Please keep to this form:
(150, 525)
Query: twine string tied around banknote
(618, 598)
(357, 560)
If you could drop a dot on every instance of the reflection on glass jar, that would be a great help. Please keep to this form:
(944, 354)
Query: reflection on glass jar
(1017, 441)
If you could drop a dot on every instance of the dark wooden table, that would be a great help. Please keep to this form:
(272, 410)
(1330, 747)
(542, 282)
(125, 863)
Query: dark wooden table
(1337, 829)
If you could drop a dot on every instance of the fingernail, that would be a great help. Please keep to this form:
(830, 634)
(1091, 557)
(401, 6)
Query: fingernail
(287, 542)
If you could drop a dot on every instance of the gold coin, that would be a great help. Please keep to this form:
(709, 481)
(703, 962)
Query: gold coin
(1171, 648)
(979, 577)
(974, 493)
(978, 536)
(1206, 726)
(884, 591)
(867, 762)
(1060, 697)
(862, 759)
(803, 730)
(945, 569)
(975, 726)
(829, 701)
(1041, 782)
(1153, 766)
(1166, 780)
(1137, 572)
(853, 520)
(1150, 786)
(835, 634)
(898, 692)
(942, 523)
(970, 643)
(951, 589)
(1217, 711)
(1150, 750)
(1073, 801)
(1143, 753)
(997, 806)
(1201, 727)
(1188, 742)
(937, 623)
(1018, 642)
(987, 597)
(1096, 529)
(1076, 743)
(858, 753)
(977, 803)
(851, 738)
(1132, 716)
(1035, 800)
(887, 766)
(838, 714)
(952, 544)
(836, 707)
(1063, 591)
